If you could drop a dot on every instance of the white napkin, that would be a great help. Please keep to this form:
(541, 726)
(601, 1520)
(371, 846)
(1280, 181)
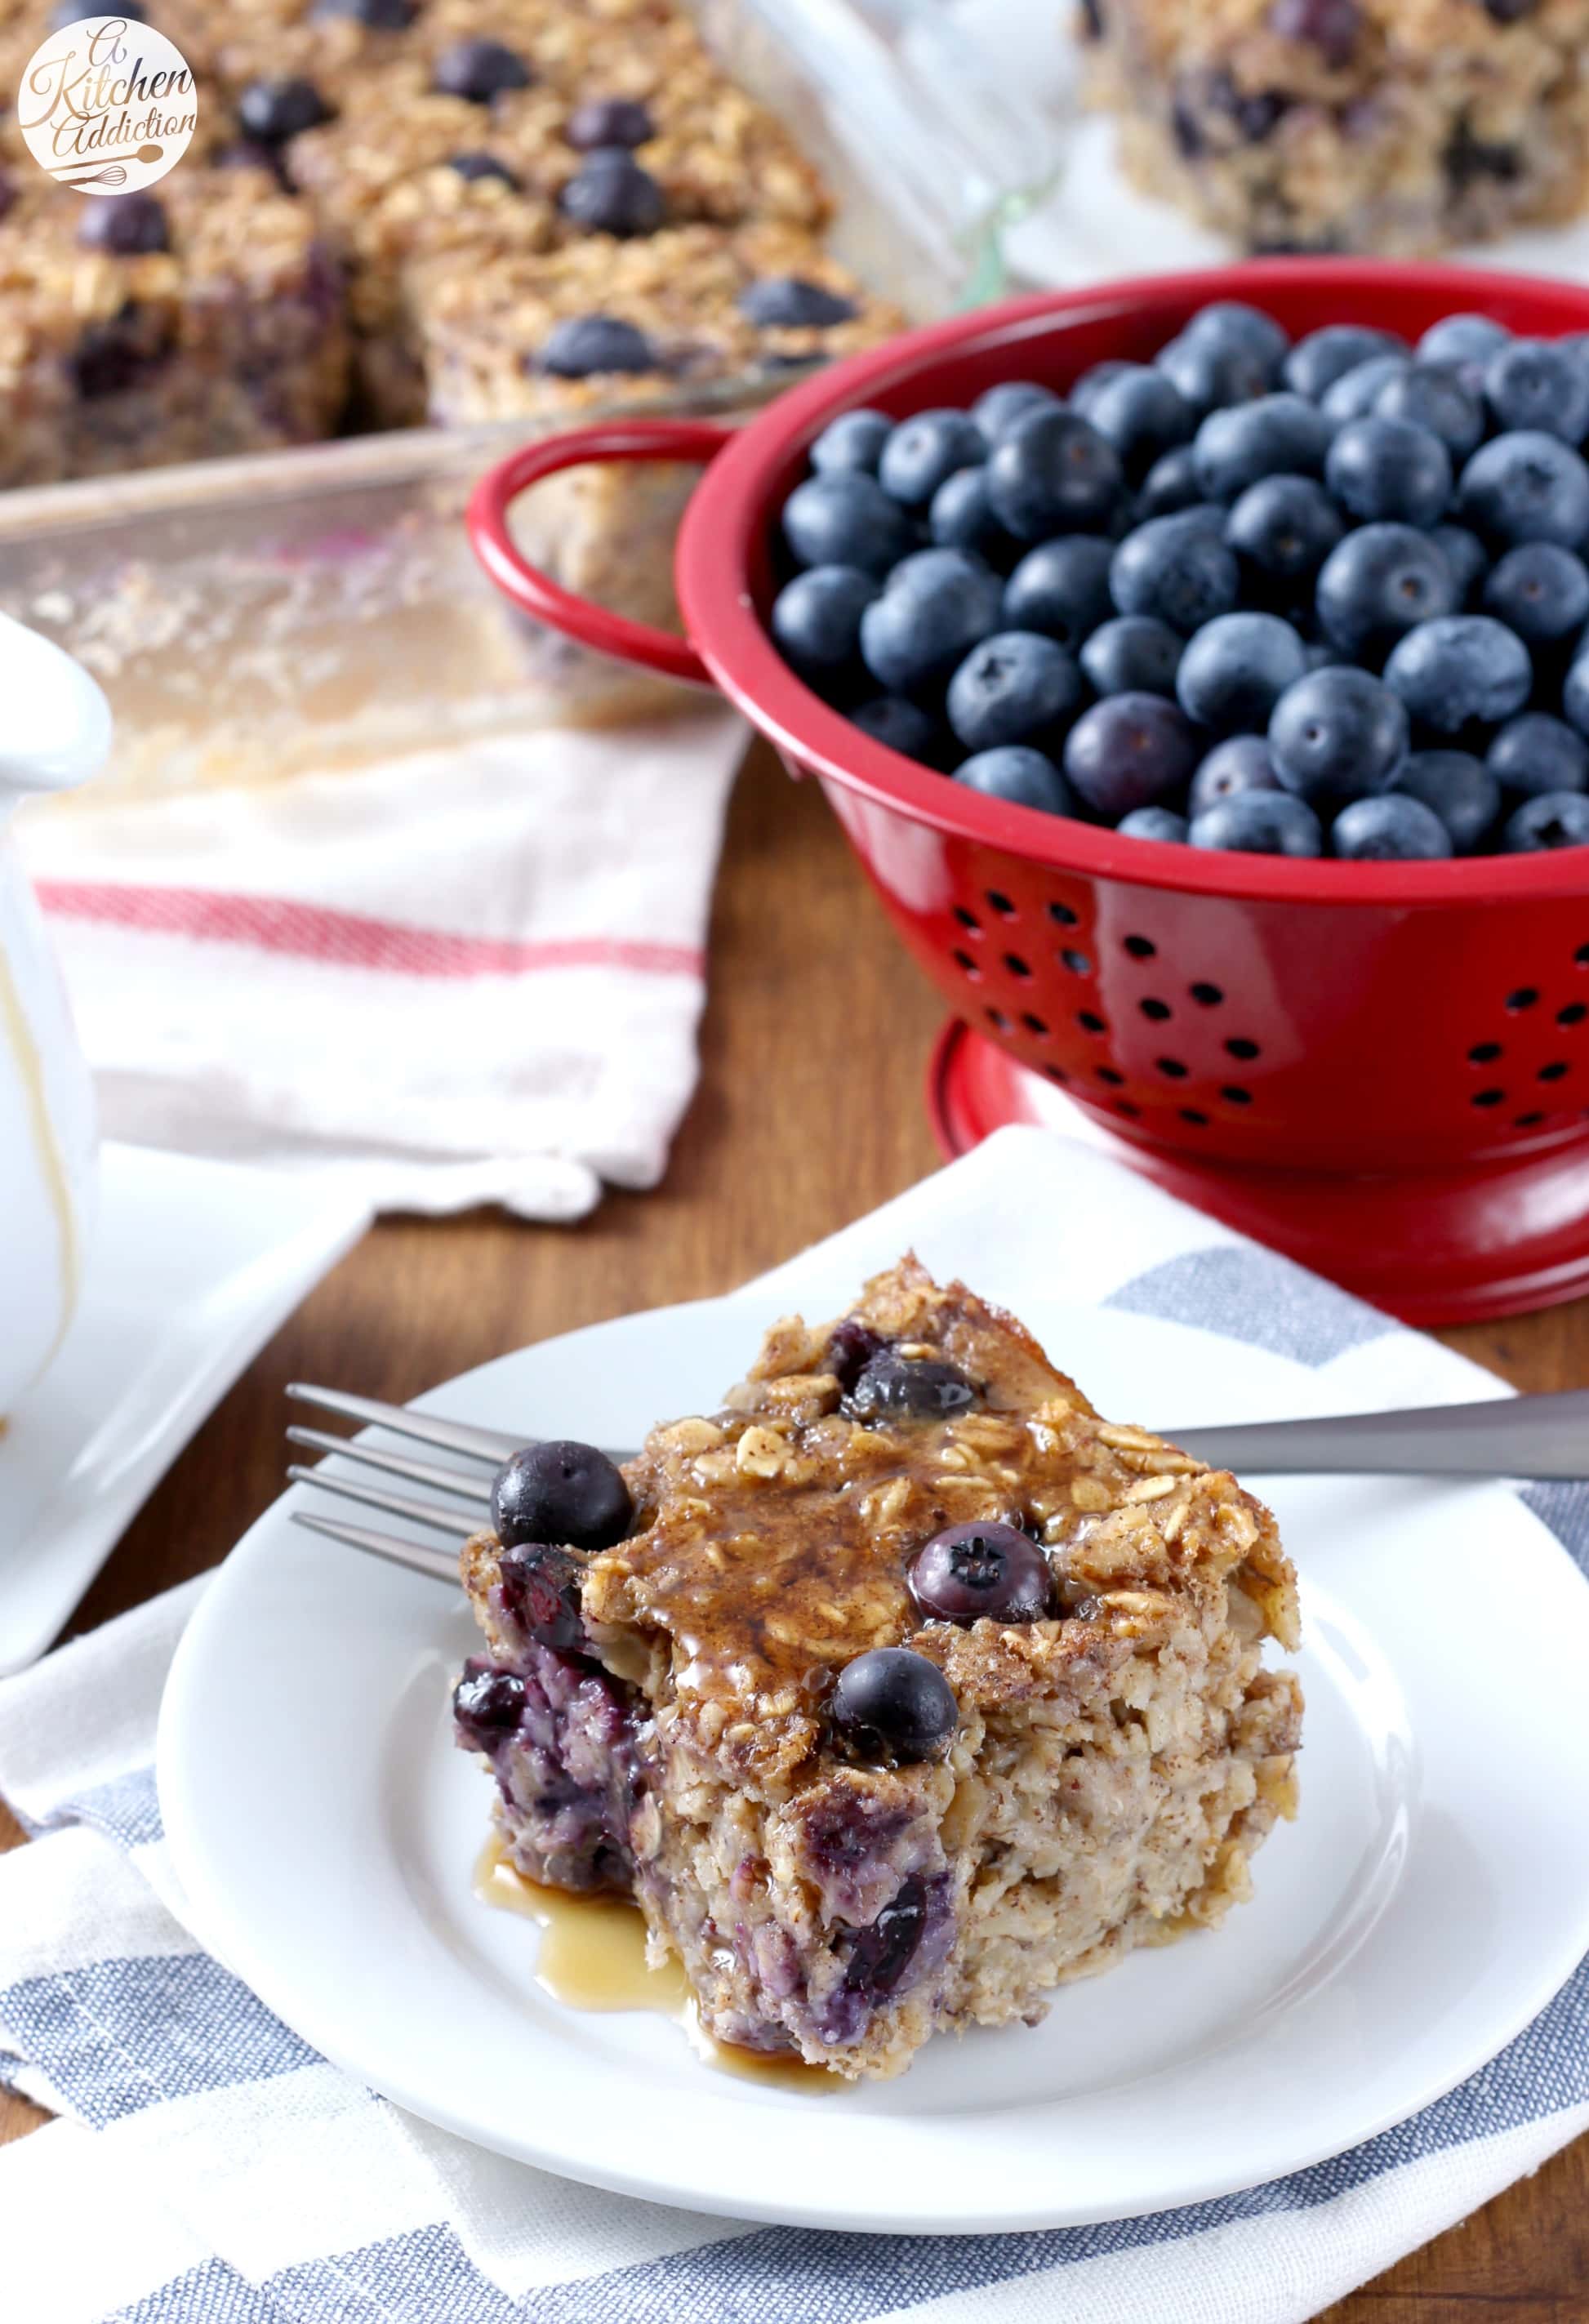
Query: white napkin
(210, 2166)
(475, 975)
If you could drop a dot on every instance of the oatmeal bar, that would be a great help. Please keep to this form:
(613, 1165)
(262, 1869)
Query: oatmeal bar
(897, 1692)
(1387, 126)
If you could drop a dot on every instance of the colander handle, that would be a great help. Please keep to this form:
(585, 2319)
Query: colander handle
(536, 592)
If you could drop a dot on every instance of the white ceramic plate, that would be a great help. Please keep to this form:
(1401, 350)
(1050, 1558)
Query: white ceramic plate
(1431, 1898)
(192, 1267)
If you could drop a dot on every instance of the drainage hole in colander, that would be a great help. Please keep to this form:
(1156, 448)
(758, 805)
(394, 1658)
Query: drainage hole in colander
(1244, 1049)
(968, 920)
(1483, 1053)
(1489, 1097)
(1015, 965)
(967, 966)
(997, 1019)
(1063, 917)
(1140, 947)
(1000, 904)
(1089, 1023)
(1037, 1025)
(1527, 1120)
(1572, 1014)
(1236, 1096)
(1124, 1105)
(1157, 1010)
(1056, 1073)
(1077, 963)
(1107, 1073)
(1198, 1121)
(1172, 1068)
(1582, 955)
(1523, 998)
(1552, 1073)
(1206, 996)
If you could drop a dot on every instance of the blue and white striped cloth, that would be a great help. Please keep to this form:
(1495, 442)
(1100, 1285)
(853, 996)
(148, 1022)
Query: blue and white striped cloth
(208, 2168)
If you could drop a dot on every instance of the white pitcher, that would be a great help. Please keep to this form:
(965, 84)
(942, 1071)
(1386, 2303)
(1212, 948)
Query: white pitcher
(54, 731)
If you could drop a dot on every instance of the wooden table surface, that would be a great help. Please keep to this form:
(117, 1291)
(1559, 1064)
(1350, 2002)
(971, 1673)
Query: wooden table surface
(808, 1113)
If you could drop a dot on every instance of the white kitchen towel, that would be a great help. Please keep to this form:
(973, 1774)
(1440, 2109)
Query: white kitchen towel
(210, 2168)
(472, 976)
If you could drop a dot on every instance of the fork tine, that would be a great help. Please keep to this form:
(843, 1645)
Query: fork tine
(488, 1445)
(395, 1464)
(394, 1504)
(434, 1563)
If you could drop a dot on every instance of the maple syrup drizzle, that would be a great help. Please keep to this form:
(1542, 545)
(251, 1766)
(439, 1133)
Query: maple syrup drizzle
(592, 1956)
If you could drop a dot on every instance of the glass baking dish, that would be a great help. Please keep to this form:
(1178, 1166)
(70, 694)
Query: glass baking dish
(321, 608)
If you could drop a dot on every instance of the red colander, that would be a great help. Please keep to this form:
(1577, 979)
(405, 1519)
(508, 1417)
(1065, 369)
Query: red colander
(1382, 1069)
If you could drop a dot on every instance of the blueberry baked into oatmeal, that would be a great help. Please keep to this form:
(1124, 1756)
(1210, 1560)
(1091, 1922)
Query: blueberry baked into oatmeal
(897, 1692)
(1387, 126)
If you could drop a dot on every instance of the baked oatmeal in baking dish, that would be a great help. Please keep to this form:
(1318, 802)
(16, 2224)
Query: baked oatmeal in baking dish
(897, 1692)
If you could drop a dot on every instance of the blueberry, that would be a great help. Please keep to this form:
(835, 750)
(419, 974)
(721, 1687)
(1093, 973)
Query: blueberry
(877, 1956)
(961, 517)
(1160, 823)
(1208, 373)
(1170, 485)
(1465, 342)
(892, 1704)
(1352, 395)
(1129, 751)
(1337, 735)
(478, 71)
(608, 121)
(982, 1569)
(1015, 687)
(788, 302)
(561, 1492)
(1260, 823)
(892, 1387)
(1142, 413)
(1092, 381)
(128, 226)
(899, 726)
(1575, 693)
(1389, 472)
(1316, 362)
(610, 193)
(1467, 555)
(1540, 590)
(1434, 396)
(1000, 408)
(1534, 753)
(1133, 654)
(851, 1346)
(582, 345)
(1532, 384)
(1019, 776)
(1234, 671)
(1461, 670)
(845, 518)
(816, 617)
(854, 440)
(540, 1585)
(487, 1703)
(1273, 435)
(1053, 474)
(1282, 528)
(273, 110)
(1332, 27)
(1459, 788)
(1392, 828)
(1062, 589)
(923, 450)
(1378, 583)
(474, 167)
(1558, 819)
(1240, 763)
(1176, 569)
(937, 605)
(1232, 323)
(379, 15)
(1525, 486)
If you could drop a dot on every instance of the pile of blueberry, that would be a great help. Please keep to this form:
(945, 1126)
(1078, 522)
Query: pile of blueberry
(1328, 597)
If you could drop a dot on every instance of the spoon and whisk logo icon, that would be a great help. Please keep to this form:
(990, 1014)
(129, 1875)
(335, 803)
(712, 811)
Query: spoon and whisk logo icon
(107, 105)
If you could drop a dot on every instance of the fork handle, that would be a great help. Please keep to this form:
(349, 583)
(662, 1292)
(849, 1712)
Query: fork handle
(1537, 1437)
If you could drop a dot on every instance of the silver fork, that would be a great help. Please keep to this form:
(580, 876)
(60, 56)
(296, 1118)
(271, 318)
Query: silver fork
(1537, 1437)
